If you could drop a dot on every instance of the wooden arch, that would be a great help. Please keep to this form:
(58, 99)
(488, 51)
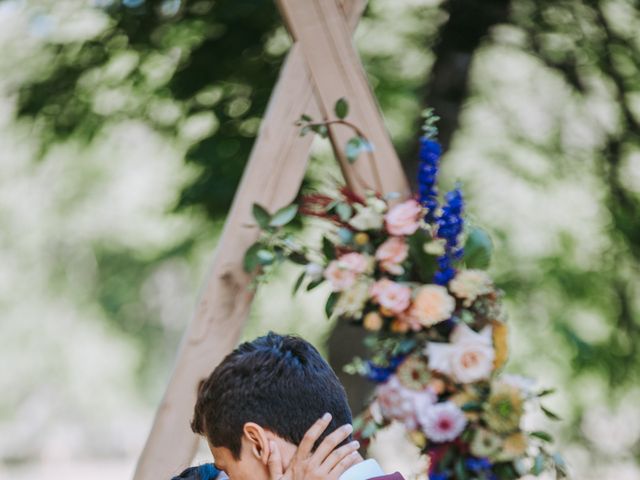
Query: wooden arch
(321, 67)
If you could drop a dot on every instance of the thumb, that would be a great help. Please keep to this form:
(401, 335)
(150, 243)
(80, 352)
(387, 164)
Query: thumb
(274, 462)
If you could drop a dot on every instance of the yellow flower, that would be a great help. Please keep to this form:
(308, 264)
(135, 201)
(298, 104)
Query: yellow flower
(418, 438)
(361, 238)
(514, 446)
(504, 408)
(501, 346)
(414, 373)
(372, 321)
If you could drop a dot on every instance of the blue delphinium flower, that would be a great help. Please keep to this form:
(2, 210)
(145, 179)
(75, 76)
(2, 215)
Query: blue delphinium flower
(450, 225)
(430, 152)
(478, 464)
(438, 476)
(380, 374)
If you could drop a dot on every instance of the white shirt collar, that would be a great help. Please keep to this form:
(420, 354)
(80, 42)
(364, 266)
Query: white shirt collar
(363, 471)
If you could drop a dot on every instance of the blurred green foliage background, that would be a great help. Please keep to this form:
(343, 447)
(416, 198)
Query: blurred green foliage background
(125, 129)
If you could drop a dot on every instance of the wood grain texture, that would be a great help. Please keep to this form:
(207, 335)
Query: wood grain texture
(324, 36)
(272, 178)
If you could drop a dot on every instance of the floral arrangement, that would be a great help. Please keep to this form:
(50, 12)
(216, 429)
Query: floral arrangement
(412, 273)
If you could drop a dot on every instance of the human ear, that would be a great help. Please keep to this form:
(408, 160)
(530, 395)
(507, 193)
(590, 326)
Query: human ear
(258, 441)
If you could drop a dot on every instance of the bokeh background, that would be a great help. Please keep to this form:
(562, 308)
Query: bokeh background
(125, 126)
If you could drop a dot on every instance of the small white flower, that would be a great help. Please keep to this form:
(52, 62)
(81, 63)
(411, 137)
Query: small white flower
(378, 205)
(435, 247)
(314, 271)
(525, 384)
(366, 219)
(352, 301)
(470, 284)
(442, 422)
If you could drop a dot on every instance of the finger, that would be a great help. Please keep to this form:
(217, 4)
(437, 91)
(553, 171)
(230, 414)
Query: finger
(338, 455)
(274, 462)
(343, 465)
(309, 439)
(330, 443)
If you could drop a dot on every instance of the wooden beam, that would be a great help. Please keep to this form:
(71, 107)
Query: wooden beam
(320, 29)
(272, 178)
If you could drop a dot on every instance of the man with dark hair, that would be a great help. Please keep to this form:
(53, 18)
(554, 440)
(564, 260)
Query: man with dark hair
(259, 411)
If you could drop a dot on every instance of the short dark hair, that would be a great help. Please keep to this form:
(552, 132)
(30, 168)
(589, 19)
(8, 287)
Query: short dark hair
(280, 382)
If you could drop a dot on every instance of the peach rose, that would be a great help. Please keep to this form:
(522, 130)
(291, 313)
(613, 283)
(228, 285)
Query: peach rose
(391, 254)
(404, 218)
(410, 321)
(432, 305)
(391, 295)
(343, 272)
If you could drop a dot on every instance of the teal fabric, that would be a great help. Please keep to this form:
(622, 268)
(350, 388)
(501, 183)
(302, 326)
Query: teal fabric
(201, 472)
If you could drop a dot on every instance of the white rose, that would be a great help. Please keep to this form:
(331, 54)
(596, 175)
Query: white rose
(468, 358)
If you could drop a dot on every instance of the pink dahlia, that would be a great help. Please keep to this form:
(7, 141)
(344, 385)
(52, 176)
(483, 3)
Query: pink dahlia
(442, 422)
(403, 404)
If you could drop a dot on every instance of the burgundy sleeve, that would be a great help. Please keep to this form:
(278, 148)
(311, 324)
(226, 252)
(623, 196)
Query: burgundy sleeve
(393, 476)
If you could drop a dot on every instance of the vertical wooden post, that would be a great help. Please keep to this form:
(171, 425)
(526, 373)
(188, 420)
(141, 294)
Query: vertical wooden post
(272, 178)
(325, 39)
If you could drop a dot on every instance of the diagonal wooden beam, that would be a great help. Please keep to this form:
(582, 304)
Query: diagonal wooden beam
(320, 29)
(272, 178)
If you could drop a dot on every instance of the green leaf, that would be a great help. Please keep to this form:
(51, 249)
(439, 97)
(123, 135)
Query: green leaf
(265, 257)
(305, 118)
(370, 430)
(544, 436)
(284, 216)
(251, 260)
(478, 249)
(346, 235)
(341, 108)
(425, 265)
(314, 284)
(546, 392)
(328, 249)
(344, 211)
(472, 407)
(331, 304)
(353, 149)
(538, 465)
(461, 471)
(550, 414)
(304, 130)
(261, 215)
(298, 258)
(298, 283)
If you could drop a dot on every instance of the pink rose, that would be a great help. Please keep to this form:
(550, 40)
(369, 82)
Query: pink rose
(339, 278)
(356, 262)
(391, 295)
(391, 254)
(404, 218)
(343, 272)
